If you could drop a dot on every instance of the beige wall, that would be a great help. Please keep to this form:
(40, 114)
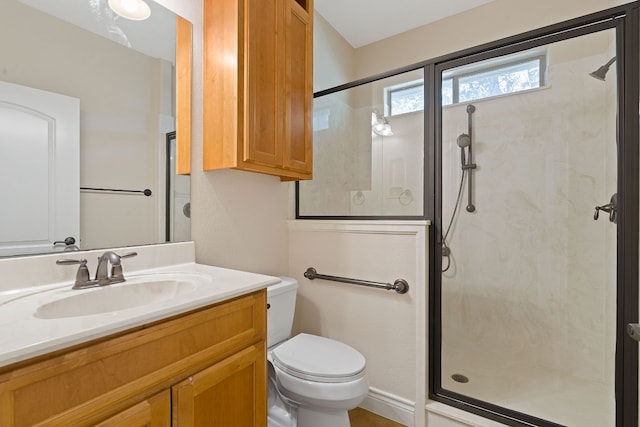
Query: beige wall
(121, 139)
(333, 57)
(489, 22)
(238, 218)
(463, 31)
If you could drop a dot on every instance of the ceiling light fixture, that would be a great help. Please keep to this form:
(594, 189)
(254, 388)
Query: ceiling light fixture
(136, 10)
(379, 124)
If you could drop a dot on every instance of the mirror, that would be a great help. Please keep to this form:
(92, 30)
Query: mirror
(98, 167)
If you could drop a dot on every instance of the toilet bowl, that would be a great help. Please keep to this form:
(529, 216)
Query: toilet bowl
(313, 380)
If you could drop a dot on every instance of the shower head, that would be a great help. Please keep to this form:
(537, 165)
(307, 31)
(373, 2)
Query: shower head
(464, 140)
(601, 72)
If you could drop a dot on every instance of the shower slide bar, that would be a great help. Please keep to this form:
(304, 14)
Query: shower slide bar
(400, 286)
(146, 191)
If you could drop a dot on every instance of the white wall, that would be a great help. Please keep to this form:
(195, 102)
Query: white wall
(386, 327)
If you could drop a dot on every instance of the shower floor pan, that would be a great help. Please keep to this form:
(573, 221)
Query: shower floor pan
(536, 391)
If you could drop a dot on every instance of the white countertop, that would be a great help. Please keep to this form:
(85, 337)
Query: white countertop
(24, 335)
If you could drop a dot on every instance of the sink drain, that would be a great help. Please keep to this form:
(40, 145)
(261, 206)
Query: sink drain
(459, 378)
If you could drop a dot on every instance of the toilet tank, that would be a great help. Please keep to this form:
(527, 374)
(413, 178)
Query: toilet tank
(281, 304)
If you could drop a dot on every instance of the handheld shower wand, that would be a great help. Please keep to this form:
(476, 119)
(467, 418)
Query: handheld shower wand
(463, 141)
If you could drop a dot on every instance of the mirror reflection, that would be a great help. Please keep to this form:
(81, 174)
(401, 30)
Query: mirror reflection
(87, 111)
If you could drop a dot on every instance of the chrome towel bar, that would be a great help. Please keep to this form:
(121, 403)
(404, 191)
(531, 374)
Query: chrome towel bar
(146, 191)
(400, 286)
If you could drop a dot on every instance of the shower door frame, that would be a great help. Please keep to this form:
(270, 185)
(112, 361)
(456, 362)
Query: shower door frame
(626, 22)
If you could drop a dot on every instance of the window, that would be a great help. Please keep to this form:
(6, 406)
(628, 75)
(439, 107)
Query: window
(405, 98)
(493, 80)
(482, 80)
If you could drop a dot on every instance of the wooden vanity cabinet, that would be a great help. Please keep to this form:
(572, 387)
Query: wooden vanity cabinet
(223, 392)
(204, 368)
(153, 412)
(258, 86)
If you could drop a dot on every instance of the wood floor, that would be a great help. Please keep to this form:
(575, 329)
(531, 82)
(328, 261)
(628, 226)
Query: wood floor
(362, 418)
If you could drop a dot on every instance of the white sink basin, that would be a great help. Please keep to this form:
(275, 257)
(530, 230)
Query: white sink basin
(114, 298)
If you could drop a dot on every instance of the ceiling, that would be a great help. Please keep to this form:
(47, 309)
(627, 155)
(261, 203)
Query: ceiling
(361, 22)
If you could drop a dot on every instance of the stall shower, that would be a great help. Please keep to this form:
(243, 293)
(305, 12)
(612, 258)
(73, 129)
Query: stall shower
(528, 281)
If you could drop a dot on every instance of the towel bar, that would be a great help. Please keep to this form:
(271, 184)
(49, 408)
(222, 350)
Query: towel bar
(146, 191)
(400, 286)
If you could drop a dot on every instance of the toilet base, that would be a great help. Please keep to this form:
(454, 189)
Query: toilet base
(308, 417)
(279, 417)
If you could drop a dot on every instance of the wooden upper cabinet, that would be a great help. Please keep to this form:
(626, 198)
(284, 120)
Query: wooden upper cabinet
(258, 86)
(298, 35)
(265, 80)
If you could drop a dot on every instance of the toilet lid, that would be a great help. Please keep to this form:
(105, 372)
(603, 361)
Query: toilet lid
(315, 358)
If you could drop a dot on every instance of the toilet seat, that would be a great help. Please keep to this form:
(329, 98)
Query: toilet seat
(319, 359)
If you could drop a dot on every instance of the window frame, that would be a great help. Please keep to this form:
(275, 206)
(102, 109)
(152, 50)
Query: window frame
(498, 65)
(455, 77)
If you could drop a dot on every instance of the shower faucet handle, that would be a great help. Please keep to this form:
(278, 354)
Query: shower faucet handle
(611, 208)
(607, 208)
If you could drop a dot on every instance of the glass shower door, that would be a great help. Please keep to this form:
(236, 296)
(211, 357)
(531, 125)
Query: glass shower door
(529, 188)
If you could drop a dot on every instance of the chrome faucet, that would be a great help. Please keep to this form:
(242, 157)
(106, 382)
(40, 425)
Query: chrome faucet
(83, 280)
(116, 268)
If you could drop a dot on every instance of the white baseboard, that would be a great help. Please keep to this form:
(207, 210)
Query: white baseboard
(390, 406)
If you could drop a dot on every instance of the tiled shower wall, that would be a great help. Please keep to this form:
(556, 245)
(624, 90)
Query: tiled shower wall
(532, 281)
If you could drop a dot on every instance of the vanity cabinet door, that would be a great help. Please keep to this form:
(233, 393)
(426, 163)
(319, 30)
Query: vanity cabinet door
(232, 392)
(152, 412)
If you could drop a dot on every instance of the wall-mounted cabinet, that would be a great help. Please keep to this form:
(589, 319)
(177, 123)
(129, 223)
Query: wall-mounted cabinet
(258, 86)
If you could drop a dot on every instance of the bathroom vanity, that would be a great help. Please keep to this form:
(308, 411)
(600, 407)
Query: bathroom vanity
(196, 358)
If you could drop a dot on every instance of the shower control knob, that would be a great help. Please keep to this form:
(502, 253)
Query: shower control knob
(633, 329)
(611, 208)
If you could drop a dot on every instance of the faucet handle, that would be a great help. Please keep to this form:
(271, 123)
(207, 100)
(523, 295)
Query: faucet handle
(129, 255)
(116, 268)
(83, 279)
(71, 262)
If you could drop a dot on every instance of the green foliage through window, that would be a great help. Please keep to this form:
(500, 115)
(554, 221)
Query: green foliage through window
(463, 85)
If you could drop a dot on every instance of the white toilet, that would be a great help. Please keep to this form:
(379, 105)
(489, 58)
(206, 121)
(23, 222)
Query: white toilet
(313, 381)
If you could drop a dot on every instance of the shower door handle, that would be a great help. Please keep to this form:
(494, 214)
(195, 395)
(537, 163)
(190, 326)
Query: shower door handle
(633, 329)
